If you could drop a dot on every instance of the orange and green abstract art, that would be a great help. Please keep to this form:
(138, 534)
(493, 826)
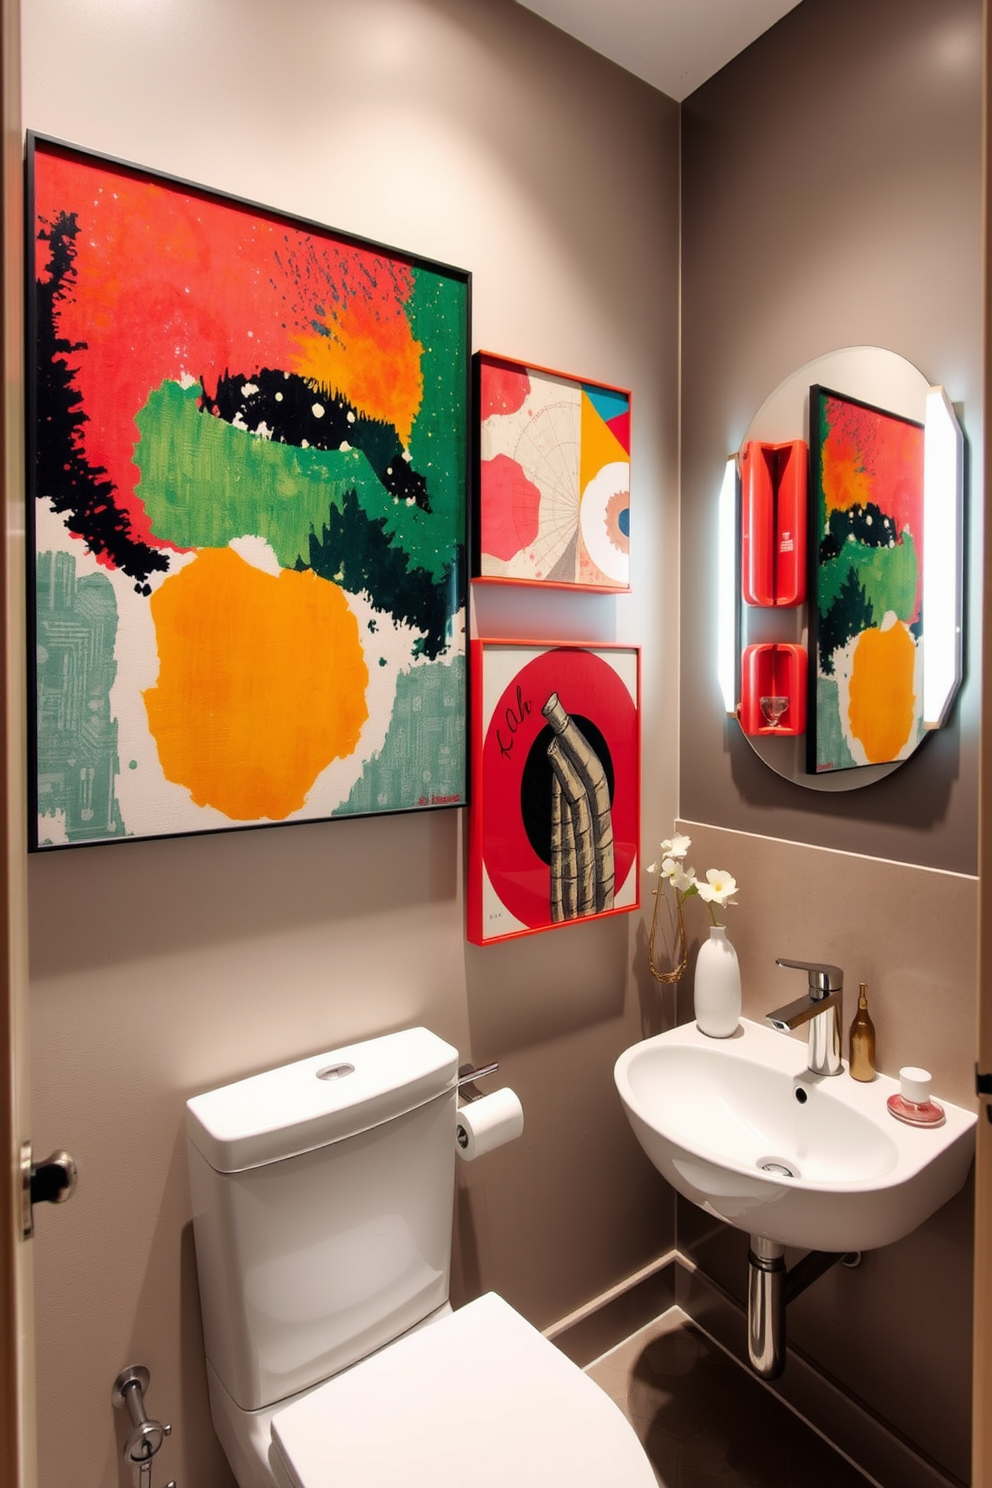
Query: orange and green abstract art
(866, 612)
(249, 470)
(553, 481)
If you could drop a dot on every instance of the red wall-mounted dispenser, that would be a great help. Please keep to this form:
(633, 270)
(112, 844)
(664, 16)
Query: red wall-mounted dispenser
(773, 523)
(773, 689)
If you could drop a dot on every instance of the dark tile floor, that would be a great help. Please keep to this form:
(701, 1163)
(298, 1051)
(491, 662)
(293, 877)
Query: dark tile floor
(706, 1422)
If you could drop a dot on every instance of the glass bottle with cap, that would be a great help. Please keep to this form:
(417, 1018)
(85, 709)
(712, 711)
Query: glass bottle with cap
(862, 1063)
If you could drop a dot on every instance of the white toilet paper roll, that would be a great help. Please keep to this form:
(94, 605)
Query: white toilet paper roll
(487, 1123)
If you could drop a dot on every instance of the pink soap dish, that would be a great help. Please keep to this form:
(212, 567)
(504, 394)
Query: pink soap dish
(929, 1114)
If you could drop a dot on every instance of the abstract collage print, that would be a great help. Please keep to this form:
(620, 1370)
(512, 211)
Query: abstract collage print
(868, 491)
(249, 526)
(554, 498)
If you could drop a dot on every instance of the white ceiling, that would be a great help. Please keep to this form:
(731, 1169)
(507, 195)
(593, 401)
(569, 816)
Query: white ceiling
(672, 44)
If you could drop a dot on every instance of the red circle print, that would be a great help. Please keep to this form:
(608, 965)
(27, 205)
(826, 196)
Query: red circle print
(588, 687)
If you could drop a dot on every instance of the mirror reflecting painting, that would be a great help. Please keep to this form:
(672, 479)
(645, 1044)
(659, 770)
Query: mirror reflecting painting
(846, 644)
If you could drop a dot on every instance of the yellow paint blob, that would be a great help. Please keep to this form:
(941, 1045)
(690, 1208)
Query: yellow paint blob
(882, 708)
(261, 684)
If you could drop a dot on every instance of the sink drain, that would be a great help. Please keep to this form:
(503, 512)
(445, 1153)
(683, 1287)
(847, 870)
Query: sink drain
(779, 1167)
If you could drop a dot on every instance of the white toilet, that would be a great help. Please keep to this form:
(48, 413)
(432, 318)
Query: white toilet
(322, 1202)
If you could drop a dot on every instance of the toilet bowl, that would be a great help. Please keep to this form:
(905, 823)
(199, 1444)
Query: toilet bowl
(478, 1397)
(322, 1195)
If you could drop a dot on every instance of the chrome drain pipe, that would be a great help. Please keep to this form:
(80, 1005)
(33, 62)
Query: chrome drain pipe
(770, 1288)
(766, 1307)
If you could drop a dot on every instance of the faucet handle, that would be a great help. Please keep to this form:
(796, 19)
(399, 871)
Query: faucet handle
(823, 977)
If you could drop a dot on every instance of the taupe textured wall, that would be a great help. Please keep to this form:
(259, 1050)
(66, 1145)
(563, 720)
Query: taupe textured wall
(470, 131)
(831, 197)
(473, 132)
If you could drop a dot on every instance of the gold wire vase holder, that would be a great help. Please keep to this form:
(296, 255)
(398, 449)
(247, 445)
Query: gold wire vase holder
(680, 949)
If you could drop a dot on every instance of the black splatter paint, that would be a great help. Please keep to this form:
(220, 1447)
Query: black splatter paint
(81, 492)
(281, 406)
(850, 614)
(354, 551)
(867, 525)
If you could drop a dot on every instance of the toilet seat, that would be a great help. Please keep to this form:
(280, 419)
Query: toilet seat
(478, 1397)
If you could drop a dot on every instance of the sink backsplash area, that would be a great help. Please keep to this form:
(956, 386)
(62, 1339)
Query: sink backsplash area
(909, 932)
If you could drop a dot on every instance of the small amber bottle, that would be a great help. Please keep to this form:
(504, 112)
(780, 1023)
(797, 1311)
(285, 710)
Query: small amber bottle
(862, 1040)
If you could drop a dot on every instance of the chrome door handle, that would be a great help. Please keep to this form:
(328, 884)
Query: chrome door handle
(49, 1182)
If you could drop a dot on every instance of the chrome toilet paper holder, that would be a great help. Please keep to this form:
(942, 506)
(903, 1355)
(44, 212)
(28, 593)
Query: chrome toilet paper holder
(467, 1076)
(484, 1121)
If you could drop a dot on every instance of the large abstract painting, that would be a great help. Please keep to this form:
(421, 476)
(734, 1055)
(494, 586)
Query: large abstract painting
(249, 517)
(553, 826)
(865, 612)
(553, 481)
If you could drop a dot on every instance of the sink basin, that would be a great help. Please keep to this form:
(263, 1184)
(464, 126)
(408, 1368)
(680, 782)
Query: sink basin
(741, 1127)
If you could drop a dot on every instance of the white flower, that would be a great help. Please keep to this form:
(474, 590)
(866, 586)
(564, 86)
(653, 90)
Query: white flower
(671, 871)
(675, 847)
(718, 888)
(682, 879)
(673, 850)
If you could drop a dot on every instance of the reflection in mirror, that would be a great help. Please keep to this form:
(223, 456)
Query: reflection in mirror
(882, 578)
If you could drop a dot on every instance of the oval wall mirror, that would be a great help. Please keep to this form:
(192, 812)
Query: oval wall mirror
(839, 704)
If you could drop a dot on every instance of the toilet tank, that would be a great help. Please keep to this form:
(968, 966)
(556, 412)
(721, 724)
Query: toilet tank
(322, 1206)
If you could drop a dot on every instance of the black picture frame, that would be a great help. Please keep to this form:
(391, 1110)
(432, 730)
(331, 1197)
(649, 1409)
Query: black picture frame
(297, 391)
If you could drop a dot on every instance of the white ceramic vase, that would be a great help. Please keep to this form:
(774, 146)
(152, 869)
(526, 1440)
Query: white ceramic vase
(717, 986)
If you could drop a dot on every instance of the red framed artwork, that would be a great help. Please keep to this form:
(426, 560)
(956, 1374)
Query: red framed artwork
(555, 805)
(552, 479)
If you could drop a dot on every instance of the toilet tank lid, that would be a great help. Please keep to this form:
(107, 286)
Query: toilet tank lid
(316, 1101)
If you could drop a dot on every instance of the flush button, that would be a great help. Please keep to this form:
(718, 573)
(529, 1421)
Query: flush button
(335, 1071)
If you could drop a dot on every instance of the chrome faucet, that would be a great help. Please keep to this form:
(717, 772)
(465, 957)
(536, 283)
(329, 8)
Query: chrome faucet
(820, 1008)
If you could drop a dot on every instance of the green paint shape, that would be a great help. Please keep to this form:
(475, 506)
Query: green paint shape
(77, 734)
(438, 316)
(204, 482)
(831, 747)
(888, 576)
(422, 761)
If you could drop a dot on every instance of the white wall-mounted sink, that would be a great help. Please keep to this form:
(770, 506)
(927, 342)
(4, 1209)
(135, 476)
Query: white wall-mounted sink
(721, 1119)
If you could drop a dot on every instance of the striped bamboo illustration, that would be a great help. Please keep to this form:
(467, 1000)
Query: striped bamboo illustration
(577, 859)
(557, 852)
(583, 874)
